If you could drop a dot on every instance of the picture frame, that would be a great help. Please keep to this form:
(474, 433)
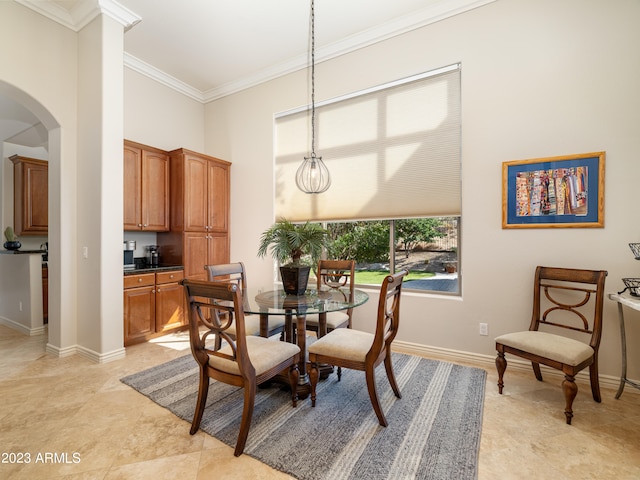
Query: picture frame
(554, 192)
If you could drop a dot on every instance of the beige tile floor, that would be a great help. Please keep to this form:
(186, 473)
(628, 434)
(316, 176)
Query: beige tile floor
(72, 406)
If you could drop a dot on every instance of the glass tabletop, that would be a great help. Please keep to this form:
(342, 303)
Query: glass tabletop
(277, 302)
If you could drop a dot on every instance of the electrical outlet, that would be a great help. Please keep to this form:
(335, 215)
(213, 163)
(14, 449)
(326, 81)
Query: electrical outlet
(484, 329)
(20, 306)
(85, 252)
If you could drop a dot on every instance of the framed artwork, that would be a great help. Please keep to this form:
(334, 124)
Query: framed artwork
(554, 192)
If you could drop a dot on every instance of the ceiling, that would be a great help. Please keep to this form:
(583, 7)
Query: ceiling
(210, 48)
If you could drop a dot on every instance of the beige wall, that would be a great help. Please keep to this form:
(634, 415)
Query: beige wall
(159, 116)
(539, 78)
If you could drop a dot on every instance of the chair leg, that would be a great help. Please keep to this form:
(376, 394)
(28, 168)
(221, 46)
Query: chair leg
(314, 374)
(501, 366)
(570, 390)
(392, 379)
(339, 373)
(247, 413)
(203, 390)
(536, 370)
(294, 374)
(595, 383)
(373, 395)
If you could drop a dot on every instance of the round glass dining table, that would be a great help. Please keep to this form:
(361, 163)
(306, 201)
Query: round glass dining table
(267, 303)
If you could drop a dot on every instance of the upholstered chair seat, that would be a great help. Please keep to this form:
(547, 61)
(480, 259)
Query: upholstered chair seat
(264, 354)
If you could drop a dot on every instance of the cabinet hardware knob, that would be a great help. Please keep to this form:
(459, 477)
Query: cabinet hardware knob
(139, 280)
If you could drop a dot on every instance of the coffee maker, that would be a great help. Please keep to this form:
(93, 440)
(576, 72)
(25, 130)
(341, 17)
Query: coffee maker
(129, 249)
(153, 257)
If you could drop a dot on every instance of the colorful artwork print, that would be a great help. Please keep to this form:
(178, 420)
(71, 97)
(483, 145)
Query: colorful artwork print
(560, 191)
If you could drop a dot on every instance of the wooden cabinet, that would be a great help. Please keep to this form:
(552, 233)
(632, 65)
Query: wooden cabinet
(146, 188)
(199, 233)
(153, 305)
(170, 301)
(139, 307)
(31, 196)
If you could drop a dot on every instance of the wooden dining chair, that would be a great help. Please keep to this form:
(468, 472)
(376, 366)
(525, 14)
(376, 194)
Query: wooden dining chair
(244, 360)
(568, 302)
(364, 351)
(236, 273)
(336, 275)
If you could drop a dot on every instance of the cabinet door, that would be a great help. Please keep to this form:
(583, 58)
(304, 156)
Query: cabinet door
(132, 188)
(169, 306)
(139, 314)
(218, 204)
(38, 198)
(31, 196)
(218, 246)
(155, 191)
(195, 194)
(196, 248)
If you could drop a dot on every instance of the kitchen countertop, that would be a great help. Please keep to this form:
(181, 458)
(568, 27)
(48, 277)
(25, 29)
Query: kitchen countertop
(21, 252)
(147, 269)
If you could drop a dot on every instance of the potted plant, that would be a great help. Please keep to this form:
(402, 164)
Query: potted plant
(12, 242)
(289, 243)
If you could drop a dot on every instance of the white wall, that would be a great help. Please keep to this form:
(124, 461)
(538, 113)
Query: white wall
(21, 299)
(74, 84)
(539, 78)
(39, 70)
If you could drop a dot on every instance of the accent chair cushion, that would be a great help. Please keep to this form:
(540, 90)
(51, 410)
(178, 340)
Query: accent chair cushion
(252, 324)
(334, 319)
(344, 343)
(263, 353)
(547, 345)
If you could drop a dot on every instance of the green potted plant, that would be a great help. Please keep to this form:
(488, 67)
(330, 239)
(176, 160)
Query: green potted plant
(12, 242)
(288, 243)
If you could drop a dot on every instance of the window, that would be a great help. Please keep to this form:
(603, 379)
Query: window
(393, 152)
(426, 247)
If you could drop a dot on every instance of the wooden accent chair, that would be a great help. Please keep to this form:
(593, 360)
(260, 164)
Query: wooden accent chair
(236, 273)
(349, 348)
(564, 300)
(243, 360)
(334, 274)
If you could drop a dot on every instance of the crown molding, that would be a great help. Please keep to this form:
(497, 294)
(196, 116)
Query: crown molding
(87, 10)
(159, 76)
(427, 16)
(83, 12)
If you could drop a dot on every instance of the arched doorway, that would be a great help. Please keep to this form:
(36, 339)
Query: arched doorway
(19, 97)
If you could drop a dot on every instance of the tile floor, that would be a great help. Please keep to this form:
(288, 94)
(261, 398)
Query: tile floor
(67, 406)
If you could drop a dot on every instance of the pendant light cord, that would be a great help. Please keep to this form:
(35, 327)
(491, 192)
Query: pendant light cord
(313, 80)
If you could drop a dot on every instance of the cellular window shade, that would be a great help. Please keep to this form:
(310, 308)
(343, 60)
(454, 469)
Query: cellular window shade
(392, 151)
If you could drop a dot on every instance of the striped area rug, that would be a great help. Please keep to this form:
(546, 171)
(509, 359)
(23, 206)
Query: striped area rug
(433, 433)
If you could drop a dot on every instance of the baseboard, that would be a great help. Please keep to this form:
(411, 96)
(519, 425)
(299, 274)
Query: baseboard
(61, 352)
(21, 328)
(86, 353)
(488, 361)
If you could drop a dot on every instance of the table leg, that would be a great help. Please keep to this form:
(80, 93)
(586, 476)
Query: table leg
(322, 324)
(301, 337)
(264, 325)
(623, 339)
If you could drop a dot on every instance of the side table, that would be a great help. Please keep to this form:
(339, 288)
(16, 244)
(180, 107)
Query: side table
(633, 303)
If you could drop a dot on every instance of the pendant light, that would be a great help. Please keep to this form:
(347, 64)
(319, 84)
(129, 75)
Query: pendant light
(313, 175)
